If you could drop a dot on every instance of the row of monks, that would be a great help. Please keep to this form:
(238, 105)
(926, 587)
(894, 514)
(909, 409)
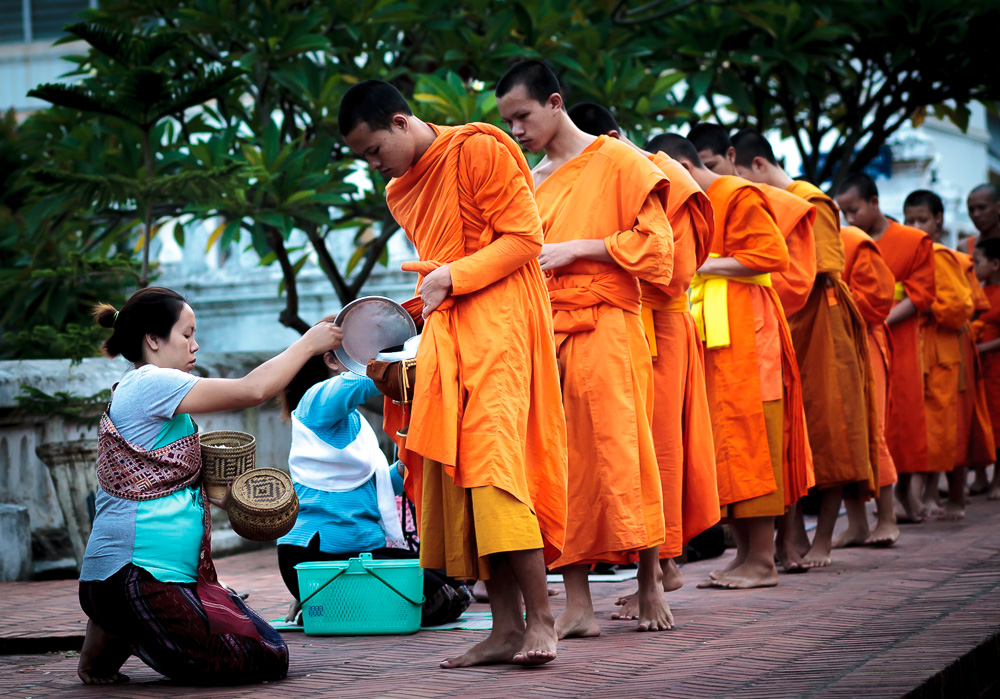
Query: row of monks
(622, 346)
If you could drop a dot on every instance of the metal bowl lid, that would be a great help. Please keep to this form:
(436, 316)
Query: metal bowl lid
(371, 324)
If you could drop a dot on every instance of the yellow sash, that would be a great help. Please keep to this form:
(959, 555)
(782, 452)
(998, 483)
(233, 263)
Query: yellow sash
(710, 306)
(899, 292)
(676, 305)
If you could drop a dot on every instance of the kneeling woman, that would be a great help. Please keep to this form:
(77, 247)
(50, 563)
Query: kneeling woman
(148, 583)
(346, 489)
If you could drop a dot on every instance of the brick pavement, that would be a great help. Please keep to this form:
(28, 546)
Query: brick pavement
(922, 617)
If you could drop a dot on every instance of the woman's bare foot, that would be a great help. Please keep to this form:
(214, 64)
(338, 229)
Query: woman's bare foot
(101, 657)
(577, 624)
(884, 534)
(538, 647)
(952, 512)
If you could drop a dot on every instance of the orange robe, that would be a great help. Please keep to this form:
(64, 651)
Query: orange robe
(941, 328)
(831, 347)
(611, 193)
(985, 328)
(910, 255)
(872, 286)
(795, 217)
(682, 423)
(486, 403)
(738, 383)
(977, 443)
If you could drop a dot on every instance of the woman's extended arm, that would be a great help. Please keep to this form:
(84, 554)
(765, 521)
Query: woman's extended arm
(215, 395)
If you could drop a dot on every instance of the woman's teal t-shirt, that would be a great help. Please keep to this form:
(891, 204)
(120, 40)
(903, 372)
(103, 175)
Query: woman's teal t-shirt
(162, 536)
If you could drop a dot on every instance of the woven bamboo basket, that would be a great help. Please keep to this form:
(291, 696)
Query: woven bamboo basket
(226, 454)
(263, 505)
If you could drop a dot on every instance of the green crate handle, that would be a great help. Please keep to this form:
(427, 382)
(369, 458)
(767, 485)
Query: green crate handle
(358, 565)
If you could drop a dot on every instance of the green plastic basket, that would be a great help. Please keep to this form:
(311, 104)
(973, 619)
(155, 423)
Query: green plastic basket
(360, 597)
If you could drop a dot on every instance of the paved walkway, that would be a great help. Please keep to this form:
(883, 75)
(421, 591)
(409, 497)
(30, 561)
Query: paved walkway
(921, 617)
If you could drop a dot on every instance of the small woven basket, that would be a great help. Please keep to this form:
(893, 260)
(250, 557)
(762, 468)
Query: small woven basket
(226, 454)
(263, 505)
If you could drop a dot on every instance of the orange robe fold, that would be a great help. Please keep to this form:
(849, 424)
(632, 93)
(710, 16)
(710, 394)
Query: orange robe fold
(986, 328)
(682, 423)
(910, 255)
(486, 402)
(872, 287)
(831, 346)
(746, 230)
(943, 359)
(611, 193)
(976, 443)
(795, 218)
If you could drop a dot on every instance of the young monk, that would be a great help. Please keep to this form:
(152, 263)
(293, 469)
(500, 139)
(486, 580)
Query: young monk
(794, 217)
(941, 327)
(753, 385)
(486, 419)
(910, 255)
(984, 209)
(682, 424)
(831, 347)
(986, 331)
(959, 435)
(602, 208)
(872, 288)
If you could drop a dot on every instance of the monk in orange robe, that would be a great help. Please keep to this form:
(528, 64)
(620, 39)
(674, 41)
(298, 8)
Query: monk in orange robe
(910, 255)
(984, 210)
(682, 423)
(830, 339)
(794, 217)
(986, 332)
(958, 433)
(754, 393)
(872, 288)
(605, 224)
(486, 419)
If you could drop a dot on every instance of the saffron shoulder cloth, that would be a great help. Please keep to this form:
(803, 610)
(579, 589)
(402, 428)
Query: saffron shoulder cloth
(128, 471)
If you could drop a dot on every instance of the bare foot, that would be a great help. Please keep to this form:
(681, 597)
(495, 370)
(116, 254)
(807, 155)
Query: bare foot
(746, 577)
(673, 578)
(572, 624)
(818, 557)
(101, 657)
(789, 560)
(980, 485)
(538, 647)
(294, 615)
(479, 592)
(495, 649)
(883, 535)
(854, 536)
(628, 607)
(553, 591)
(952, 512)
(907, 513)
(654, 612)
(932, 509)
(994, 493)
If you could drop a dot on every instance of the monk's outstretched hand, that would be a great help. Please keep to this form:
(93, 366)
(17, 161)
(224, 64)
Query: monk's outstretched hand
(435, 288)
(556, 255)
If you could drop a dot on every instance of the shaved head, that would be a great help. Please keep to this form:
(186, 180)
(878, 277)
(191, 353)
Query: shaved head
(749, 145)
(677, 147)
(989, 190)
(371, 102)
(710, 137)
(862, 183)
(593, 119)
(537, 78)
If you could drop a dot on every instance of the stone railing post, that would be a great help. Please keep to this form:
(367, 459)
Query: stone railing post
(73, 466)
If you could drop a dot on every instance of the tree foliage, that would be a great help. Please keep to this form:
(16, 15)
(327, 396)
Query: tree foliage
(225, 110)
